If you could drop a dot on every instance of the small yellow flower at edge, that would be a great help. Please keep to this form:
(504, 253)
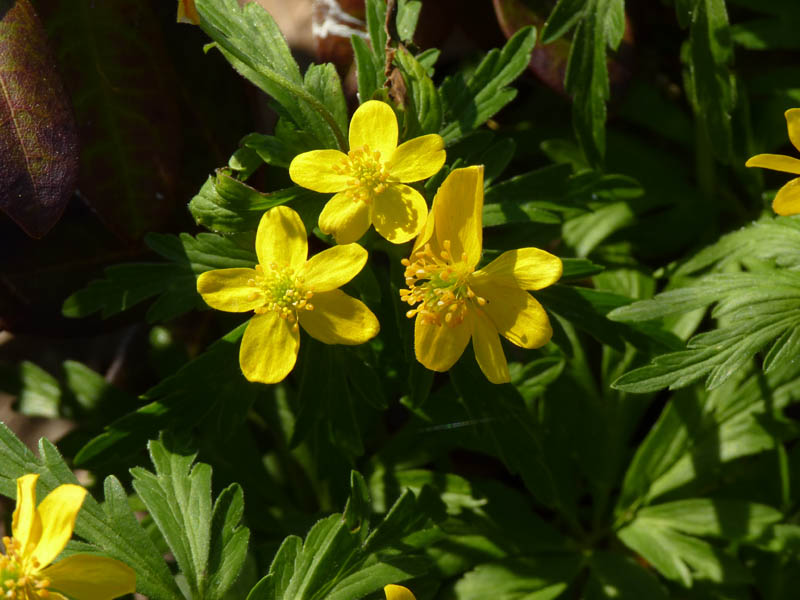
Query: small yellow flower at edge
(285, 290)
(453, 302)
(39, 535)
(398, 592)
(369, 180)
(787, 200)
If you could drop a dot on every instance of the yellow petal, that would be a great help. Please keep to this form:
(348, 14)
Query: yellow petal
(281, 238)
(374, 125)
(26, 526)
(58, 512)
(334, 267)
(793, 125)
(488, 350)
(345, 219)
(315, 170)
(228, 290)
(187, 13)
(458, 214)
(398, 592)
(399, 213)
(417, 159)
(776, 162)
(516, 314)
(87, 577)
(526, 268)
(269, 348)
(787, 200)
(339, 319)
(438, 347)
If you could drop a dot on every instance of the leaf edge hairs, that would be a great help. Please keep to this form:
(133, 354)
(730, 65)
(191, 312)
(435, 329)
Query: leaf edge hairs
(454, 303)
(40, 533)
(369, 181)
(787, 200)
(280, 289)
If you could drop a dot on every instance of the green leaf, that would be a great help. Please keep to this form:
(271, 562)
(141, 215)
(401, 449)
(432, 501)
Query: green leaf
(111, 527)
(322, 81)
(697, 434)
(715, 517)
(271, 149)
(407, 16)
(39, 394)
(226, 205)
(602, 25)
(252, 42)
(758, 307)
(712, 86)
(425, 115)
(376, 27)
(681, 557)
(534, 578)
(562, 18)
(229, 540)
(587, 309)
(586, 232)
(178, 498)
(469, 102)
(174, 282)
(214, 375)
(369, 69)
(621, 578)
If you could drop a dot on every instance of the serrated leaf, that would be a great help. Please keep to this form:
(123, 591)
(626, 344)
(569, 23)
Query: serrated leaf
(696, 434)
(533, 578)
(250, 39)
(619, 577)
(759, 307)
(226, 205)
(713, 517)
(468, 103)
(228, 542)
(178, 498)
(214, 375)
(38, 136)
(174, 283)
(586, 78)
(681, 557)
(425, 113)
(112, 526)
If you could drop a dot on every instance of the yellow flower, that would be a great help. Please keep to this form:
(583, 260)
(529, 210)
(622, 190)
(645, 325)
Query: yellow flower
(40, 534)
(398, 592)
(787, 200)
(285, 289)
(368, 181)
(187, 13)
(454, 302)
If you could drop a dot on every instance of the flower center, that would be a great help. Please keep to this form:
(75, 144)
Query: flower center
(367, 173)
(16, 583)
(283, 292)
(438, 286)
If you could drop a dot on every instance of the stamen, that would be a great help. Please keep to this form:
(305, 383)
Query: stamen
(368, 174)
(282, 292)
(438, 288)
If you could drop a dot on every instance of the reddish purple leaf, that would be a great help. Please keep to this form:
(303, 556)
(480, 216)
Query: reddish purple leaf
(38, 137)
